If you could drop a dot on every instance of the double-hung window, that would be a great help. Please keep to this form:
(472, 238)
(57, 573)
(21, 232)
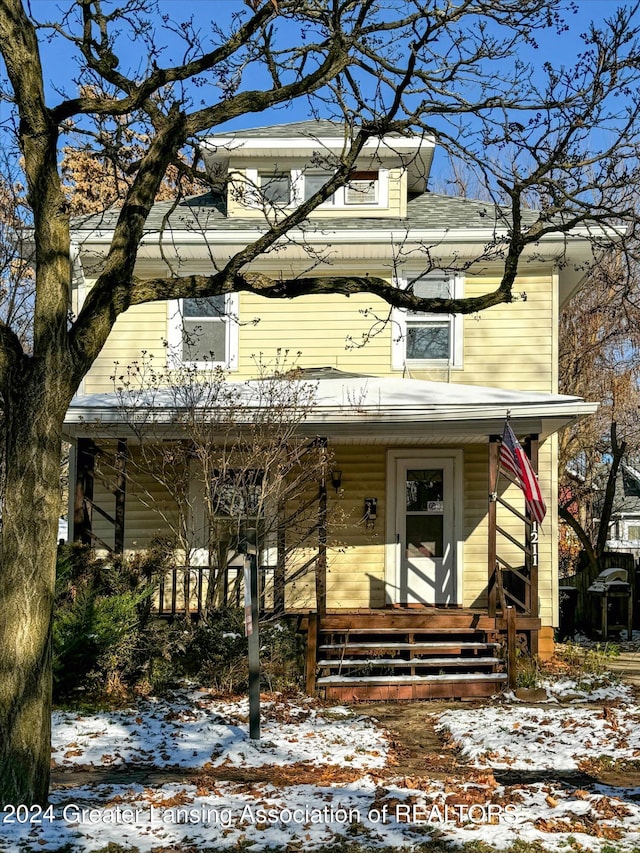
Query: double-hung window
(203, 331)
(429, 339)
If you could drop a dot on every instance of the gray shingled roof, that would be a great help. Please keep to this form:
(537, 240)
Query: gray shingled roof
(311, 128)
(207, 212)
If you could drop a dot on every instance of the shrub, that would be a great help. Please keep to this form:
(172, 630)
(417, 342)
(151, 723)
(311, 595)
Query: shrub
(215, 652)
(102, 610)
(106, 639)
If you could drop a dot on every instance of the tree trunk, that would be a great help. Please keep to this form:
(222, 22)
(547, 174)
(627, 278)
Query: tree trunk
(32, 434)
(618, 452)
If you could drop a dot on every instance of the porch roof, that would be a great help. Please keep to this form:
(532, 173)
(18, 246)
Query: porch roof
(348, 405)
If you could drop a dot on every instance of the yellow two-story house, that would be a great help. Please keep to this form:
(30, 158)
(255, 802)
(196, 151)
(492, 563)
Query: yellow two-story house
(434, 542)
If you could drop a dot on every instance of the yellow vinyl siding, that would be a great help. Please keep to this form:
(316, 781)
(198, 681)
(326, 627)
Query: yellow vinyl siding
(510, 346)
(150, 508)
(355, 554)
(327, 331)
(355, 576)
(507, 346)
(317, 327)
(141, 328)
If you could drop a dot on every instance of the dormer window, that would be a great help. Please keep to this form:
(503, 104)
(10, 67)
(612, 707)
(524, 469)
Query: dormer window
(362, 188)
(288, 188)
(314, 181)
(275, 188)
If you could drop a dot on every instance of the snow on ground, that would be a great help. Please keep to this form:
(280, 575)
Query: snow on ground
(363, 803)
(195, 730)
(262, 817)
(590, 688)
(549, 738)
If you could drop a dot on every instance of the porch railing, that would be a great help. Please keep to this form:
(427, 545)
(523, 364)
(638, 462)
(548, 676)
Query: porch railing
(183, 590)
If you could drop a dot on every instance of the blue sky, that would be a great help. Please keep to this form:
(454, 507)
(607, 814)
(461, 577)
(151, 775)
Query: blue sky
(557, 48)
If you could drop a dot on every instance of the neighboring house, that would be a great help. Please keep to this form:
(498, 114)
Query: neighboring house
(413, 416)
(624, 531)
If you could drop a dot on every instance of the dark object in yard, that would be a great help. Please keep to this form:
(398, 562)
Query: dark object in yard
(616, 601)
(568, 599)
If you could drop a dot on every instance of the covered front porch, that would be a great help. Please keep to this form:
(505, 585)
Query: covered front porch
(410, 519)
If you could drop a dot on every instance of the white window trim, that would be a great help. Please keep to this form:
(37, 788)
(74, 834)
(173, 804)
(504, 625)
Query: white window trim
(336, 202)
(174, 335)
(399, 361)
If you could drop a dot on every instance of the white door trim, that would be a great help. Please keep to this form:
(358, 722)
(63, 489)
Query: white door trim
(392, 546)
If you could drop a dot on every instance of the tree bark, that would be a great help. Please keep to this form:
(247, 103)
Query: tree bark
(27, 586)
(618, 450)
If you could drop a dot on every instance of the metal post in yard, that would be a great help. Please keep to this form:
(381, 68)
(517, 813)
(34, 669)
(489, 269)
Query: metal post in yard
(252, 630)
(511, 647)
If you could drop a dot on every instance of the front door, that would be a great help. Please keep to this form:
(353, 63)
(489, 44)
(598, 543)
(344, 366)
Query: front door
(425, 541)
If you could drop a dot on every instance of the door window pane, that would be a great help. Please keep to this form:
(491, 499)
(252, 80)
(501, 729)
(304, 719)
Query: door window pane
(425, 490)
(425, 536)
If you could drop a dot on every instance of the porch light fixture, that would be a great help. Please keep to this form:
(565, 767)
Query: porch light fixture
(336, 479)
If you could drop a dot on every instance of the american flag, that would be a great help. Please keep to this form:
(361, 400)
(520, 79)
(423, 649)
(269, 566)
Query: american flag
(515, 460)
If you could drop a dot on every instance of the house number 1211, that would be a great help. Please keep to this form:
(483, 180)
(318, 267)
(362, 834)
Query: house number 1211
(533, 538)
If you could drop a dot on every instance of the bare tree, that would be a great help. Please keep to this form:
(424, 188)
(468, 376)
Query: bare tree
(425, 66)
(600, 360)
(239, 451)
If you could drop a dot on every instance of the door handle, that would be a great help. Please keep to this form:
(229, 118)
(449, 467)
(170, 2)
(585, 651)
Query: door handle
(397, 538)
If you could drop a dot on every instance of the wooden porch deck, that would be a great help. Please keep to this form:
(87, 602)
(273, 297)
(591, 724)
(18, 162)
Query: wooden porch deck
(423, 653)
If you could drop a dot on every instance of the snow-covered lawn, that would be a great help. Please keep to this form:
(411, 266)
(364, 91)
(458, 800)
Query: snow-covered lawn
(320, 775)
(548, 738)
(196, 731)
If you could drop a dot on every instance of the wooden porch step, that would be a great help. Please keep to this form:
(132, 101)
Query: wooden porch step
(427, 646)
(493, 677)
(406, 654)
(421, 629)
(452, 686)
(394, 619)
(345, 663)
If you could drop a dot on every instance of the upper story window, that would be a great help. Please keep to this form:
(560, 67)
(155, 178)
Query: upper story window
(288, 188)
(432, 340)
(275, 188)
(314, 181)
(362, 188)
(204, 331)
